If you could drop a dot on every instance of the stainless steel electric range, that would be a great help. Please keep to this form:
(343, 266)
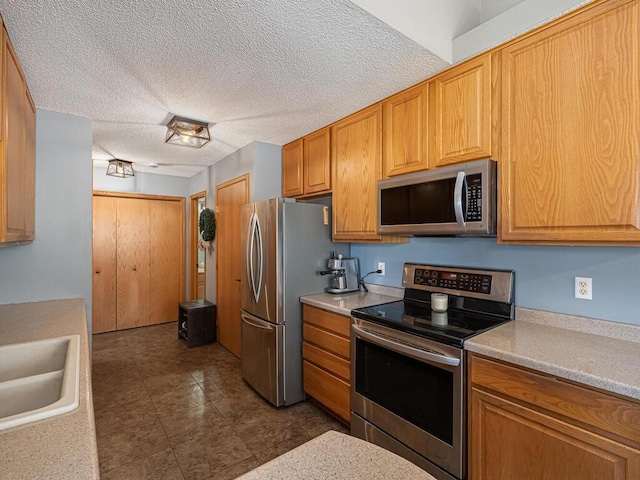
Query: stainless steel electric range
(408, 365)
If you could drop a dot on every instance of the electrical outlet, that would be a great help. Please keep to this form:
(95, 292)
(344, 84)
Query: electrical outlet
(381, 267)
(583, 288)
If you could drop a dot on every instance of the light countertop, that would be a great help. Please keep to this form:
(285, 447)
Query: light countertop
(602, 354)
(338, 456)
(344, 303)
(63, 446)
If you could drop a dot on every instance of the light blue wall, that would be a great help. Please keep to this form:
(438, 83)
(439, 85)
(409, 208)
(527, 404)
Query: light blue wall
(263, 162)
(544, 274)
(142, 182)
(58, 263)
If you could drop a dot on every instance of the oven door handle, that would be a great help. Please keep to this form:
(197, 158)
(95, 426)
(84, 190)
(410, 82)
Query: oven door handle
(406, 348)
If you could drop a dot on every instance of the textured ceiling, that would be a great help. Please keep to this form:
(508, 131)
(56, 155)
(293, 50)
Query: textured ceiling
(268, 70)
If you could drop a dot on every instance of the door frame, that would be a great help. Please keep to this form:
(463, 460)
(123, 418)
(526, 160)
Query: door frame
(247, 196)
(194, 222)
(181, 200)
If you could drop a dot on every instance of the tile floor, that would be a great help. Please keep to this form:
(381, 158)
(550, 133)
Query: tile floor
(165, 411)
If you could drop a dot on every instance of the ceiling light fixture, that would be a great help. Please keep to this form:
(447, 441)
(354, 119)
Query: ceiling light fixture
(190, 133)
(120, 168)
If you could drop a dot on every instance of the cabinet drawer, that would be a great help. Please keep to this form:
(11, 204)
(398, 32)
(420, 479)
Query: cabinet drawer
(333, 393)
(329, 341)
(333, 322)
(332, 363)
(611, 416)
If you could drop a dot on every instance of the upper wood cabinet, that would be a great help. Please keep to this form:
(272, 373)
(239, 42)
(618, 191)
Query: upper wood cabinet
(405, 129)
(570, 155)
(463, 127)
(533, 426)
(292, 166)
(356, 155)
(17, 163)
(306, 165)
(317, 162)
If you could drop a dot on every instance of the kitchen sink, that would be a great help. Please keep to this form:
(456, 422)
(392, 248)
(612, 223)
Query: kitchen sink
(38, 379)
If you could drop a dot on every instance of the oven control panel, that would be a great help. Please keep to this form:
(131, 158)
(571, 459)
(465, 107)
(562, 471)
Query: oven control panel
(463, 281)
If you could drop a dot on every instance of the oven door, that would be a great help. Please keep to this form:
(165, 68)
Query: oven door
(411, 388)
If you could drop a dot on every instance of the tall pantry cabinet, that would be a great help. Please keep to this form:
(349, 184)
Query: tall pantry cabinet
(138, 260)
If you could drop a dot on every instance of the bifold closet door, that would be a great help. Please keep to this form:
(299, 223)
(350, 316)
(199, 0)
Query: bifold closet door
(167, 262)
(133, 278)
(104, 264)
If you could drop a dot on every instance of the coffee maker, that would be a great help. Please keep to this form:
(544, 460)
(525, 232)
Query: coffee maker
(345, 274)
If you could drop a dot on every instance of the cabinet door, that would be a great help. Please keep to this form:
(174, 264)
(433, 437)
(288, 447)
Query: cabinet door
(405, 126)
(570, 152)
(356, 154)
(104, 264)
(317, 162)
(30, 167)
(356, 157)
(166, 259)
(292, 162)
(509, 441)
(463, 112)
(133, 277)
(15, 171)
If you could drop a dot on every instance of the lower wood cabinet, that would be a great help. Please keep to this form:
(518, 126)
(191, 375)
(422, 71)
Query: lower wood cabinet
(532, 426)
(326, 353)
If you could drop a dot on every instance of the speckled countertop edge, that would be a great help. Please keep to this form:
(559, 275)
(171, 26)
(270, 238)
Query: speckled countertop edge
(63, 446)
(344, 303)
(335, 455)
(543, 343)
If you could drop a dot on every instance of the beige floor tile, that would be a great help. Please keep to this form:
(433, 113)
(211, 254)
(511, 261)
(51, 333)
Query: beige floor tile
(201, 457)
(158, 466)
(131, 444)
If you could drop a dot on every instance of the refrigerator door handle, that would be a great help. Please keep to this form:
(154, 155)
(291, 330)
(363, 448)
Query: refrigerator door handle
(260, 259)
(250, 268)
(256, 323)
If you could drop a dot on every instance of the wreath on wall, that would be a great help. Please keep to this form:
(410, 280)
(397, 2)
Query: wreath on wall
(207, 224)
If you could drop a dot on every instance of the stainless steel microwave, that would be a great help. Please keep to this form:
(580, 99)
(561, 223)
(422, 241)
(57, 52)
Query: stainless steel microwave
(455, 200)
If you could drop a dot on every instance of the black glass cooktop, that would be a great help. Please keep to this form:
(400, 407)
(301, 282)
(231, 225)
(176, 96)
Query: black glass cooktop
(452, 327)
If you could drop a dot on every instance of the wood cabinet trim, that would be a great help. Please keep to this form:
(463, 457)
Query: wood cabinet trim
(478, 114)
(531, 203)
(605, 414)
(293, 154)
(407, 133)
(331, 391)
(488, 463)
(323, 162)
(103, 193)
(330, 321)
(326, 360)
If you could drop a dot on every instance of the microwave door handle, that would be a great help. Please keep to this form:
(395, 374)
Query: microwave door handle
(457, 199)
(406, 349)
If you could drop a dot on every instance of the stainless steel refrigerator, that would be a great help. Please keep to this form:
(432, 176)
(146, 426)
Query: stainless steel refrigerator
(284, 244)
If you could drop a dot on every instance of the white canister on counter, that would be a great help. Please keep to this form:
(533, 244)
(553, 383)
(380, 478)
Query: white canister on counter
(439, 302)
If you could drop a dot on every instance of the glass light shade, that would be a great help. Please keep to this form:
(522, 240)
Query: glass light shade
(190, 133)
(120, 168)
